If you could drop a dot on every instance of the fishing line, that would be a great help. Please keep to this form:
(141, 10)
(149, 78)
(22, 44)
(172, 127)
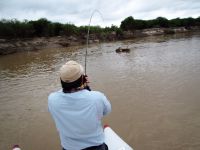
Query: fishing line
(88, 32)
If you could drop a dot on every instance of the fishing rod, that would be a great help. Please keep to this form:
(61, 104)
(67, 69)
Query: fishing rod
(88, 33)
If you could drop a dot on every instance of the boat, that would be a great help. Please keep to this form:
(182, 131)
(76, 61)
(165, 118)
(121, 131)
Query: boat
(16, 147)
(113, 141)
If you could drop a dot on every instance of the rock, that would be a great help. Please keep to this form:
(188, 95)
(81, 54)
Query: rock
(112, 36)
(180, 30)
(153, 31)
(96, 41)
(5, 51)
(169, 31)
(128, 34)
(72, 38)
(2, 40)
(120, 50)
(90, 41)
(64, 44)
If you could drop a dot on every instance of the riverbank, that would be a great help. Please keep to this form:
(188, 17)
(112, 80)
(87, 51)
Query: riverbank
(34, 44)
(9, 46)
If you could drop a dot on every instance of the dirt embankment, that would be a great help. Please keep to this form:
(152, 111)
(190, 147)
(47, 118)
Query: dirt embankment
(8, 46)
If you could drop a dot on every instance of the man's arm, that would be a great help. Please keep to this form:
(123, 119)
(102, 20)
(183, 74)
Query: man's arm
(107, 106)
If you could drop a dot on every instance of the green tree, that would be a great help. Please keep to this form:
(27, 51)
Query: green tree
(69, 29)
(57, 28)
(139, 24)
(40, 27)
(197, 21)
(161, 22)
(177, 22)
(188, 22)
(127, 24)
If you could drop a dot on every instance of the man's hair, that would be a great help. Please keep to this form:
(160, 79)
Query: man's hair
(67, 87)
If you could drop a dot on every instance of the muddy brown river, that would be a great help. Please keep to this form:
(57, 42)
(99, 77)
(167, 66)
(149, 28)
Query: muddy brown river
(154, 90)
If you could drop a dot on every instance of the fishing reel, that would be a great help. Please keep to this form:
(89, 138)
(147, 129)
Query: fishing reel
(85, 83)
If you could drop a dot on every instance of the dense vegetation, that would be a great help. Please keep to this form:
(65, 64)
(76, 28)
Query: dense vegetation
(131, 24)
(45, 28)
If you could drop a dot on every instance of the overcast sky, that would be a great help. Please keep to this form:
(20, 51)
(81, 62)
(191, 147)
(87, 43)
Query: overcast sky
(109, 12)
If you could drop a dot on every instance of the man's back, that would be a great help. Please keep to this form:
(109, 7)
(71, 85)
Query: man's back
(78, 117)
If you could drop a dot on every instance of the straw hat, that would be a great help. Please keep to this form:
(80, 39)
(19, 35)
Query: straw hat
(71, 71)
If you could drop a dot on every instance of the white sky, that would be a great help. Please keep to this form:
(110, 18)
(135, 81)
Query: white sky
(113, 12)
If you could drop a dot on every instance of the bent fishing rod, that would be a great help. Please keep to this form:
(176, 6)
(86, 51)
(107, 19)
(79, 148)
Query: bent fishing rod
(88, 33)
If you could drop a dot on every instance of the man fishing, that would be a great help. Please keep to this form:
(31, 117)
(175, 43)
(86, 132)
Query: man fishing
(77, 111)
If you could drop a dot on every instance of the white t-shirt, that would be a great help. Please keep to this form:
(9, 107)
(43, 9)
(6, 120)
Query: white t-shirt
(78, 117)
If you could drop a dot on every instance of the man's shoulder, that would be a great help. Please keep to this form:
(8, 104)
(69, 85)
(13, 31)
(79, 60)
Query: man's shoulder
(97, 93)
(55, 94)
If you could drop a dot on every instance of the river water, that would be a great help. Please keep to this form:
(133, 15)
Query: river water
(154, 90)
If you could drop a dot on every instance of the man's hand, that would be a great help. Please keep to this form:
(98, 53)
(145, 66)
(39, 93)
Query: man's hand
(86, 82)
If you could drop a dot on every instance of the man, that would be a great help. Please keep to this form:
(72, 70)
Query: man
(77, 112)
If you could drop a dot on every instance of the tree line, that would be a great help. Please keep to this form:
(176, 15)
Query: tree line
(45, 28)
(135, 24)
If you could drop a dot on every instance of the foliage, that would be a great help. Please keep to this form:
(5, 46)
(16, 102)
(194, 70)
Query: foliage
(130, 23)
(43, 27)
(127, 24)
(69, 29)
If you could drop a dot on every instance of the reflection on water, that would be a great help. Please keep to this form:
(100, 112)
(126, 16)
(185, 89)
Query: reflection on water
(154, 91)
